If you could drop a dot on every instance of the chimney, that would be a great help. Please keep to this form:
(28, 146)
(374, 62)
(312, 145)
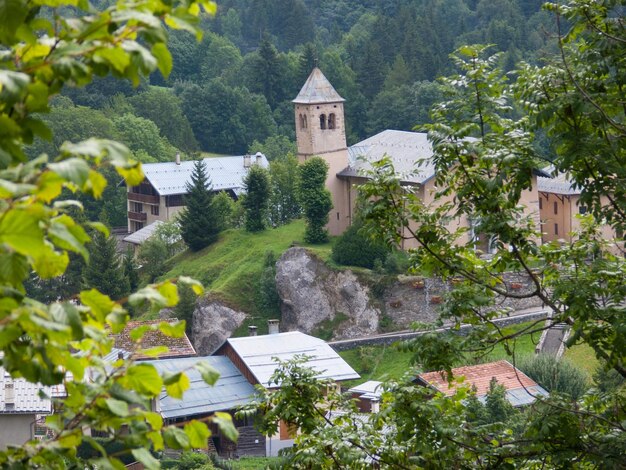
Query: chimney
(252, 330)
(273, 327)
(246, 161)
(259, 158)
(177, 158)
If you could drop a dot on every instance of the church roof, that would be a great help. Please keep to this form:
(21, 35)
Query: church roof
(410, 153)
(317, 89)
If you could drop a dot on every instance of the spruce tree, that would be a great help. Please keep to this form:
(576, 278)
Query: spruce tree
(315, 199)
(198, 225)
(256, 202)
(104, 271)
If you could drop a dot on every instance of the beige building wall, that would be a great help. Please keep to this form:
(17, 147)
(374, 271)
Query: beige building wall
(16, 429)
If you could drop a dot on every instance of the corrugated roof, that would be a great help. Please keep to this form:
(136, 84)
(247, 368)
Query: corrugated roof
(317, 89)
(258, 352)
(224, 173)
(26, 397)
(141, 235)
(231, 389)
(178, 347)
(514, 381)
(404, 148)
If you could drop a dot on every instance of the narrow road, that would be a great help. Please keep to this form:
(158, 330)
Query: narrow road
(518, 316)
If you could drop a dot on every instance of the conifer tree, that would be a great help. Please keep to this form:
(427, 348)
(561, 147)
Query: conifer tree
(315, 199)
(256, 202)
(104, 271)
(198, 225)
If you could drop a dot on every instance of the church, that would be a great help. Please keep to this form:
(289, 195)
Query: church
(320, 131)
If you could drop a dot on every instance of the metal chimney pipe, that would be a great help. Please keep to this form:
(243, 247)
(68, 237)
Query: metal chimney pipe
(177, 158)
(252, 330)
(273, 327)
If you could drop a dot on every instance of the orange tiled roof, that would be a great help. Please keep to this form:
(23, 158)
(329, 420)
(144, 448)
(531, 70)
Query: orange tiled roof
(479, 376)
(178, 347)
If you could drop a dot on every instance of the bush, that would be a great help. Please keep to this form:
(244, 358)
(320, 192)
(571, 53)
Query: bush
(555, 375)
(355, 248)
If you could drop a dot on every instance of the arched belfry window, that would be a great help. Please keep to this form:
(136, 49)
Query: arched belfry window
(322, 121)
(331, 121)
(302, 126)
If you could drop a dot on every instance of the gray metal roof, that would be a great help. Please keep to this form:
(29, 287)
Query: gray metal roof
(26, 397)
(370, 390)
(231, 390)
(258, 353)
(558, 183)
(317, 89)
(141, 235)
(410, 153)
(224, 173)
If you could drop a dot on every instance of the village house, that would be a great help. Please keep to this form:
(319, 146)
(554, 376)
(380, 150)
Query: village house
(201, 400)
(255, 357)
(23, 408)
(520, 389)
(160, 196)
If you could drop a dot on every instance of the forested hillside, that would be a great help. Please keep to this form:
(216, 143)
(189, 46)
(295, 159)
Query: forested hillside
(236, 85)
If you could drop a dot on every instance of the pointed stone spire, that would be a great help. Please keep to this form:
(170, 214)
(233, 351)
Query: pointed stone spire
(317, 89)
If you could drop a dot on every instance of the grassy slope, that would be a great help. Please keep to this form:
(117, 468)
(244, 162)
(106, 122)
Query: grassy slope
(230, 268)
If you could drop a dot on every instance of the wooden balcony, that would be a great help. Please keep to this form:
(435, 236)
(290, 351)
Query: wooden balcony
(140, 216)
(146, 198)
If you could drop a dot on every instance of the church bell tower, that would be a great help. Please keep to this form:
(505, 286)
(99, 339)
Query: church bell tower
(321, 132)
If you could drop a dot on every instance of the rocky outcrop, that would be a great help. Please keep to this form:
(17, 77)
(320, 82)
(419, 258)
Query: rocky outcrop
(312, 295)
(316, 299)
(213, 323)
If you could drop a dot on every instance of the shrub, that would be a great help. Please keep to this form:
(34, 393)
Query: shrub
(355, 248)
(555, 375)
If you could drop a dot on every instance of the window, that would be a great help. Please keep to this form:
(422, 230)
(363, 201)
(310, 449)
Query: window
(154, 210)
(137, 207)
(138, 225)
(582, 209)
(305, 122)
(302, 126)
(331, 121)
(556, 229)
(619, 233)
(556, 208)
(322, 121)
(174, 200)
(540, 203)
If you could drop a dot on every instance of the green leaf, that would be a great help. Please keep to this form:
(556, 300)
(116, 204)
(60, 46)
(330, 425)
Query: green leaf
(163, 57)
(209, 374)
(196, 286)
(175, 438)
(74, 170)
(225, 423)
(175, 329)
(101, 305)
(20, 230)
(155, 351)
(8, 334)
(170, 293)
(144, 456)
(176, 384)
(13, 268)
(117, 407)
(50, 263)
(114, 56)
(198, 434)
(144, 379)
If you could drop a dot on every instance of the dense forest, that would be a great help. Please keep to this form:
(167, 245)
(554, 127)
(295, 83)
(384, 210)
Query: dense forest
(232, 91)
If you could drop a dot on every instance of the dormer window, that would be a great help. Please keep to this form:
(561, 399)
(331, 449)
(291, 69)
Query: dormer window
(322, 121)
(331, 121)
